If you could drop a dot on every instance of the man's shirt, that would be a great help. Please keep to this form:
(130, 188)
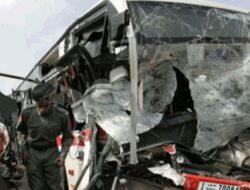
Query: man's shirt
(42, 130)
(2, 141)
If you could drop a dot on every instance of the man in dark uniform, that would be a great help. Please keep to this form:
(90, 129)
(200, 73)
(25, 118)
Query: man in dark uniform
(41, 124)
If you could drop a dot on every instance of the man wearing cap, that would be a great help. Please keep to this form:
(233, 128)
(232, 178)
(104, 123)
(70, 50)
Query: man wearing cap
(41, 124)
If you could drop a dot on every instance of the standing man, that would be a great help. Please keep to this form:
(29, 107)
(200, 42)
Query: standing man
(41, 124)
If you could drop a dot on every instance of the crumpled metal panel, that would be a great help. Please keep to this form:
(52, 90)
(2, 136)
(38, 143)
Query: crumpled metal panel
(211, 48)
(99, 103)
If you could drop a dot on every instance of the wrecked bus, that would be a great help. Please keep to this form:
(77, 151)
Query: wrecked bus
(158, 92)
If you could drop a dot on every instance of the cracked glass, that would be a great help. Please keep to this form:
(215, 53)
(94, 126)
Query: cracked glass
(210, 47)
(99, 103)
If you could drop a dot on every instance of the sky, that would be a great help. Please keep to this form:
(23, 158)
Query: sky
(28, 28)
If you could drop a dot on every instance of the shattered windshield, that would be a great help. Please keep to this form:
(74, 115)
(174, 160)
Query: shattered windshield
(195, 59)
(173, 22)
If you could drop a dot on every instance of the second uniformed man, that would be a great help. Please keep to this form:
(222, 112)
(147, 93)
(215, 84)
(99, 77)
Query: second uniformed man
(41, 125)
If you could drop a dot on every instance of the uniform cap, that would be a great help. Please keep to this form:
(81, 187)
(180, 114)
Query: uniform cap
(42, 91)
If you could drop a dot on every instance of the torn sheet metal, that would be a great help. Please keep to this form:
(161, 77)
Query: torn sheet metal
(168, 172)
(99, 103)
(211, 48)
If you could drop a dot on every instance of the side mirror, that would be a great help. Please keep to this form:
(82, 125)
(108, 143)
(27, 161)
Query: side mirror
(118, 22)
